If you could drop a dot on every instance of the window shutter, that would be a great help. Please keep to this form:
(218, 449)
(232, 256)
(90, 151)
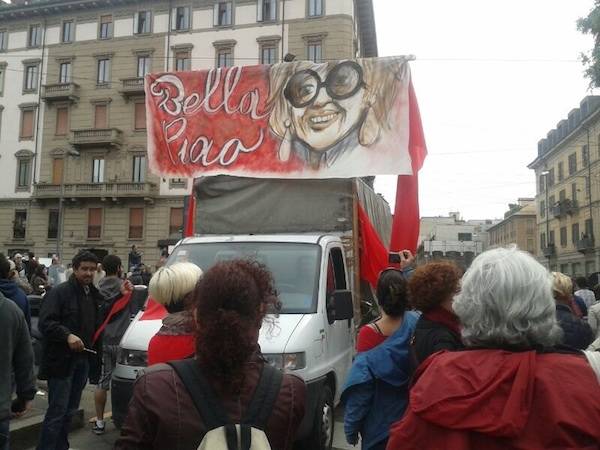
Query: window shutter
(216, 15)
(57, 170)
(140, 116)
(136, 223)
(27, 124)
(136, 21)
(94, 223)
(62, 115)
(100, 120)
(173, 19)
(176, 220)
(229, 15)
(259, 11)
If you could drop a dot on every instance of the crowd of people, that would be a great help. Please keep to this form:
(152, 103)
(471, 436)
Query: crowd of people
(503, 356)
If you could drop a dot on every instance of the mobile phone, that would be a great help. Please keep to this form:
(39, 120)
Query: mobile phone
(394, 258)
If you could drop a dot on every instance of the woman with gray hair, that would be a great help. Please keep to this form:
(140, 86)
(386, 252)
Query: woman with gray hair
(513, 388)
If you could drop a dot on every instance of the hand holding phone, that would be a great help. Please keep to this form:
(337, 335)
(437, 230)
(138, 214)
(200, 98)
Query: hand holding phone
(405, 258)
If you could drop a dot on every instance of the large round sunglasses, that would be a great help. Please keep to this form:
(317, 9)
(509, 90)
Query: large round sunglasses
(344, 80)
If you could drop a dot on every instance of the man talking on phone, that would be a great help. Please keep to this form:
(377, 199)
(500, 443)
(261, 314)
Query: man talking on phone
(68, 320)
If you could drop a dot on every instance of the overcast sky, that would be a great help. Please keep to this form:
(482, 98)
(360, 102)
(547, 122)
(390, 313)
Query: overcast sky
(492, 78)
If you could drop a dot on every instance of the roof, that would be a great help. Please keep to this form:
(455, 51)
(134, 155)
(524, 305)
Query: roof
(527, 210)
(287, 238)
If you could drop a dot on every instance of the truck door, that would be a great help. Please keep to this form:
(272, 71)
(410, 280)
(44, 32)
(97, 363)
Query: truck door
(339, 333)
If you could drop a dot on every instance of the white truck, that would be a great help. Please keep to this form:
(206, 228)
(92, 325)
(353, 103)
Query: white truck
(307, 237)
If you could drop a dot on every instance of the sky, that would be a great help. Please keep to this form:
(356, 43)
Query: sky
(492, 78)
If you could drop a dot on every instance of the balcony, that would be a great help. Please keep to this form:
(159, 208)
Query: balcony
(585, 244)
(132, 86)
(95, 190)
(60, 92)
(97, 137)
(549, 251)
(564, 207)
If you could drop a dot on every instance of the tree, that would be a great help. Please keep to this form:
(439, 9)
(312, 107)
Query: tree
(591, 60)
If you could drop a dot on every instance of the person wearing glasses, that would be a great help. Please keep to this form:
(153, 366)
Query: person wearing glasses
(326, 113)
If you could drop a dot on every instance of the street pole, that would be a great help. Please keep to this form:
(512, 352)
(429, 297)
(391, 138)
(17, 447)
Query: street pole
(547, 213)
(589, 183)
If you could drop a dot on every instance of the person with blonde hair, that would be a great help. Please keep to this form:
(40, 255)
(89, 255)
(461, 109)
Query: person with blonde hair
(173, 287)
(577, 333)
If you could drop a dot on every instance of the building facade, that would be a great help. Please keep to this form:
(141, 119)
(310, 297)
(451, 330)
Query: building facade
(452, 238)
(518, 227)
(74, 173)
(567, 171)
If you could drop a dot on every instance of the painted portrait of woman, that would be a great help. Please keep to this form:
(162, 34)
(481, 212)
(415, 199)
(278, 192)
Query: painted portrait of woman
(327, 115)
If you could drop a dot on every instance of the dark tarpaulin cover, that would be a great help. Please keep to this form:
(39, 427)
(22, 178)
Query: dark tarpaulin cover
(232, 205)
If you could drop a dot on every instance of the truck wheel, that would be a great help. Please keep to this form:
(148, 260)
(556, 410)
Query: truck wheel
(321, 437)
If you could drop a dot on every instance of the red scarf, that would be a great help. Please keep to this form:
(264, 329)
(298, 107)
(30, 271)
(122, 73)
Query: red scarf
(445, 317)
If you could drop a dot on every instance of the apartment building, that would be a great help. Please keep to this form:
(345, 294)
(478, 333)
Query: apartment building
(567, 171)
(74, 174)
(518, 227)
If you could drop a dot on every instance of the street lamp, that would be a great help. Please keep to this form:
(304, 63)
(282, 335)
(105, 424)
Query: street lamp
(545, 175)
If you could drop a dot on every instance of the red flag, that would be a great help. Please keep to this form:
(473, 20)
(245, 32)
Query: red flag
(191, 215)
(405, 229)
(117, 307)
(154, 310)
(373, 254)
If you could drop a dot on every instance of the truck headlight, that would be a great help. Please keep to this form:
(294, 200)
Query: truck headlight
(136, 358)
(287, 361)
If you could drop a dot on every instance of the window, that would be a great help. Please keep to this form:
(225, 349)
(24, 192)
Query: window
(572, 163)
(58, 165)
(562, 195)
(589, 232)
(222, 14)
(543, 240)
(465, 237)
(27, 121)
(62, 121)
(551, 201)
(530, 248)
(140, 116)
(542, 209)
(2, 76)
(23, 171)
(563, 236)
(136, 223)
(542, 183)
(20, 224)
(68, 31)
(590, 267)
(31, 77)
(139, 169)
(177, 183)
(314, 52)
(574, 191)
(560, 171)
(3, 40)
(268, 54)
(585, 157)
(142, 22)
(98, 170)
(64, 73)
(106, 27)
(180, 18)
(224, 57)
(574, 233)
(183, 60)
(176, 221)
(100, 116)
(267, 10)
(35, 36)
(576, 269)
(551, 177)
(551, 238)
(315, 8)
(94, 223)
(143, 66)
(336, 262)
(103, 71)
(53, 219)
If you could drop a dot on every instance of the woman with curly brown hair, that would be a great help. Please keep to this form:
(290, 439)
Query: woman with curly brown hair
(231, 302)
(432, 288)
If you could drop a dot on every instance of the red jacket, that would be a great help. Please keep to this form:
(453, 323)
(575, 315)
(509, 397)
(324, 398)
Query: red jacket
(500, 400)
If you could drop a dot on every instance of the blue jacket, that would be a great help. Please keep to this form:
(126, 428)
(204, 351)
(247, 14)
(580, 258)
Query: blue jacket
(577, 333)
(376, 391)
(12, 291)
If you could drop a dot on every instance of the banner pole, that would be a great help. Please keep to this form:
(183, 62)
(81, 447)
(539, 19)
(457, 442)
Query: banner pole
(356, 253)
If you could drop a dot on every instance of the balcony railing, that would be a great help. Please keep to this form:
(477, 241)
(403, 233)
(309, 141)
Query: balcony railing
(60, 92)
(564, 207)
(585, 244)
(549, 251)
(132, 86)
(97, 190)
(93, 137)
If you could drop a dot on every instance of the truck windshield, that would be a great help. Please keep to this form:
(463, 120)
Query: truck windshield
(294, 267)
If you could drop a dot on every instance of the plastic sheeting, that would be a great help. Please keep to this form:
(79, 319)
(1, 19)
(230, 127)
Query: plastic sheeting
(232, 205)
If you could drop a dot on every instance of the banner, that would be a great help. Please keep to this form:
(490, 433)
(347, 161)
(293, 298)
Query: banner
(290, 120)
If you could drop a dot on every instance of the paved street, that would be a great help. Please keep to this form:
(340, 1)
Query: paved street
(84, 439)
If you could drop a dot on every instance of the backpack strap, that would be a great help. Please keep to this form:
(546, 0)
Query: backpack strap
(263, 399)
(210, 409)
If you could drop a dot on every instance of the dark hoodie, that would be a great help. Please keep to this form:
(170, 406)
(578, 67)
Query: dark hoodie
(12, 291)
(496, 399)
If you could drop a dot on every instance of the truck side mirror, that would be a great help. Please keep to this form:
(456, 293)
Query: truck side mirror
(340, 306)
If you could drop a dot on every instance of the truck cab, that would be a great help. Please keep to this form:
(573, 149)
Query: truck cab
(311, 336)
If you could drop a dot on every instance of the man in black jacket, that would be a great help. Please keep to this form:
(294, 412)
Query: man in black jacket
(68, 320)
